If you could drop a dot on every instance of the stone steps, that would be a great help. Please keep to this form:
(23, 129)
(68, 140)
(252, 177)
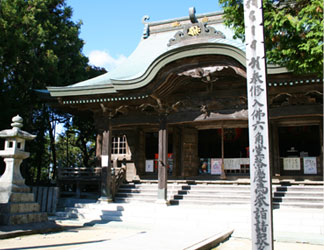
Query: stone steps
(28, 217)
(205, 194)
(20, 189)
(90, 212)
(297, 194)
(22, 197)
(187, 194)
(21, 209)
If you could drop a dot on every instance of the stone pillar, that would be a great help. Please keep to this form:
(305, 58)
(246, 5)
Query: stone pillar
(163, 161)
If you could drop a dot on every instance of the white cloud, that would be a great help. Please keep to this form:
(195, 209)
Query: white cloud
(101, 58)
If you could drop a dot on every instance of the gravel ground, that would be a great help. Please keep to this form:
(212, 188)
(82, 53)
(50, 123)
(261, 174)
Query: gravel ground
(75, 237)
(245, 244)
(68, 239)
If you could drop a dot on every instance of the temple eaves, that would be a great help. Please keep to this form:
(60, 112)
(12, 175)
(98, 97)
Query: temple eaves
(162, 43)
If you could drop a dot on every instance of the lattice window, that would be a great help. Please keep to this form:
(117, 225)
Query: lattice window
(119, 145)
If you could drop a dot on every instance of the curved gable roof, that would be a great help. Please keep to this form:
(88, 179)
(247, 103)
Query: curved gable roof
(155, 50)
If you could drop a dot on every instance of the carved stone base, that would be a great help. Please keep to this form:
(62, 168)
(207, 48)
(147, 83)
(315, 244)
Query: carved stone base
(21, 209)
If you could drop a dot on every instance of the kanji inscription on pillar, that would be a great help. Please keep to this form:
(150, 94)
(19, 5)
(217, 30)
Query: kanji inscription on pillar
(261, 207)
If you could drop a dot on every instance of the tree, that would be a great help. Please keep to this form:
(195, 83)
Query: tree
(293, 32)
(39, 46)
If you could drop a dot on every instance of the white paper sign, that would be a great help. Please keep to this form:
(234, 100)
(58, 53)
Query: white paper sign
(292, 163)
(310, 165)
(235, 163)
(149, 166)
(216, 166)
(231, 164)
(104, 160)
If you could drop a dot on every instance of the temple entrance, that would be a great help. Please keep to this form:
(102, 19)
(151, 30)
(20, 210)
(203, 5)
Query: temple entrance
(235, 151)
(299, 150)
(151, 153)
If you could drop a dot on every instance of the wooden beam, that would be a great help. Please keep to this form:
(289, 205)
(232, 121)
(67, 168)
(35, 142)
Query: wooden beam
(296, 110)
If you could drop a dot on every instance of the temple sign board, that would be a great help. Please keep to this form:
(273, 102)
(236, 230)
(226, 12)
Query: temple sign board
(261, 207)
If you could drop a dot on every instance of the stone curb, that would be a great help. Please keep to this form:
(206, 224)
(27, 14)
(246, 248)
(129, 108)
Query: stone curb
(12, 231)
(211, 242)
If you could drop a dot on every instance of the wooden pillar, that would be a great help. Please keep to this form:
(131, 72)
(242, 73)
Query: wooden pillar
(98, 152)
(103, 154)
(98, 148)
(163, 161)
(140, 160)
(223, 175)
(106, 178)
(274, 150)
(322, 149)
(176, 151)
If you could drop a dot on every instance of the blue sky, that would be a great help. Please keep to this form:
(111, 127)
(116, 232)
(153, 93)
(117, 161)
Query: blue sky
(112, 28)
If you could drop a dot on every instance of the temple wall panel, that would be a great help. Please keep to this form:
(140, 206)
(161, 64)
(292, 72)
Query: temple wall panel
(189, 151)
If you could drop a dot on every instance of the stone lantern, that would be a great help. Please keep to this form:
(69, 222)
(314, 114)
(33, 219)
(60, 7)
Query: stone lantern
(17, 205)
(13, 154)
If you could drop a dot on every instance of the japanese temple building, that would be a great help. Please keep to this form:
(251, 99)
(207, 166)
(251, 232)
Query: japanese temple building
(177, 107)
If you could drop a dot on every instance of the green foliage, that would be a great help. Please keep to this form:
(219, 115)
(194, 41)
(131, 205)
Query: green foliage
(39, 47)
(293, 32)
(76, 146)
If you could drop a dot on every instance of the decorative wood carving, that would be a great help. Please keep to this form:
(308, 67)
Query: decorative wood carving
(113, 111)
(205, 73)
(280, 99)
(285, 99)
(194, 31)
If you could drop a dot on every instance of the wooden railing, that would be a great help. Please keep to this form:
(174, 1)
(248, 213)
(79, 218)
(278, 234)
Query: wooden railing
(79, 181)
(119, 178)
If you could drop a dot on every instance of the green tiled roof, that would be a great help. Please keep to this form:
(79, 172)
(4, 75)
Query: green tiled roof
(153, 52)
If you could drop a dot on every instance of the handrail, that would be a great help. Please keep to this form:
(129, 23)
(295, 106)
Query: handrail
(117, 179)
(80, 172)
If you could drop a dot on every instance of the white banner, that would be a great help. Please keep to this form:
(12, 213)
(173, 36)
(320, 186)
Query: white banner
(235, 163)
(149, 166)
(104, 160)
(216, 167)
(310, 165)
(291, 163)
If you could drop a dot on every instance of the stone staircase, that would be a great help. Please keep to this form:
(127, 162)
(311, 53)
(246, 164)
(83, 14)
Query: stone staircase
(21, 208)
(209, 193)
(302, 196)
(186, 193)
(183, 193)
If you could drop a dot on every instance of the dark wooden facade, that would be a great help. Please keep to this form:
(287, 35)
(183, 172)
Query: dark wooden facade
(191, 100)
